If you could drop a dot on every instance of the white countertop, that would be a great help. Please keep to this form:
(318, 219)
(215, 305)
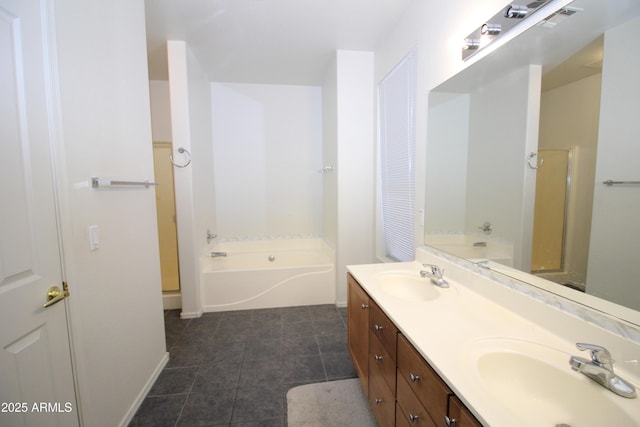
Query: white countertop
(476, 316)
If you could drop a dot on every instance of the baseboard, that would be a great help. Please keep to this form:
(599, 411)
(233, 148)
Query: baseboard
(171, 300)
(190, 314)
(145, 390)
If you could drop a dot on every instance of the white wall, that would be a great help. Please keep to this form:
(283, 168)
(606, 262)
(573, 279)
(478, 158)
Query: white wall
(194, 184)
(115, 303)
(330, 155)
(613, 254)
(267, 145)
(355, 144)
(436, 29)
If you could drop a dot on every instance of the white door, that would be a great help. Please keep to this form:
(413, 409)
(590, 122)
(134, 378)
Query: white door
(36, 380)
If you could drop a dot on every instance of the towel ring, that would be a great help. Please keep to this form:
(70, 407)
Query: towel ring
(187, 154)
(537, 164)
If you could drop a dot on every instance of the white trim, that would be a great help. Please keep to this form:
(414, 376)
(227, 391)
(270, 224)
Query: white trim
(145, 390)
(191, 314)
(171, 301)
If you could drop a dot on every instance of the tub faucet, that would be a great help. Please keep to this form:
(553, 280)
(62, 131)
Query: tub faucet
(436, 274)
(217, 254)
(600, 370)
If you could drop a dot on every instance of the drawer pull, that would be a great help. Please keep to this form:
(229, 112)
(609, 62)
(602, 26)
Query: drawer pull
(413, 378)
(364, 306)
(378, 328)
(377, 357)
(450, 422)
(378, 401)
(412, 417)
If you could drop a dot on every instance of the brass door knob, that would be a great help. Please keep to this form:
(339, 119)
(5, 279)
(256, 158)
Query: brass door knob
(55, 295)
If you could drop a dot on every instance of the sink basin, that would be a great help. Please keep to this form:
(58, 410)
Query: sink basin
(537, 385)
(409, 286)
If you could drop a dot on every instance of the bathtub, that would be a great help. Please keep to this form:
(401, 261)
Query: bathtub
(266, 274)
(472, 247)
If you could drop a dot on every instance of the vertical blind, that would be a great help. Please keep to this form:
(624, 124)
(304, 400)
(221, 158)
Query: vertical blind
(397, 139)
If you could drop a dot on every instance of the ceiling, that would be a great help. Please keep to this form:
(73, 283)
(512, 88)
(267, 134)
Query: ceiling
(266, 41)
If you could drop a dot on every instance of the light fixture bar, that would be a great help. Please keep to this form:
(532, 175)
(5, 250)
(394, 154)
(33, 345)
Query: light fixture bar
(509, 17)
(471, 44)
(516, 11)
(490, 29)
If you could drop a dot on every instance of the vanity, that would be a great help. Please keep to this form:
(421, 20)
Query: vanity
(478, 352)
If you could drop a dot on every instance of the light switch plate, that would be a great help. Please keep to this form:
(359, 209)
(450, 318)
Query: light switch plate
(94, 237)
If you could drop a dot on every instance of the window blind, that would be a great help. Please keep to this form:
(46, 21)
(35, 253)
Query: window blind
(397, 140)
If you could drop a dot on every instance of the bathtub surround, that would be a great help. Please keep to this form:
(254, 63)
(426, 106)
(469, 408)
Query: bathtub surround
(268, 144)
(267, 150)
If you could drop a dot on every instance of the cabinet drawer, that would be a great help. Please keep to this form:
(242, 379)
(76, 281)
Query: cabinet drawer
(382, 401)
(430, 390)
(383, 328)
(459, 415)
(410, 411)
(381, 363)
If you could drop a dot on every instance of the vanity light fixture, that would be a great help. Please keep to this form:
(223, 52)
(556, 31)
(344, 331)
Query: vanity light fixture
(516, 11)
(471, 44)
(490, 29)
(507, 23)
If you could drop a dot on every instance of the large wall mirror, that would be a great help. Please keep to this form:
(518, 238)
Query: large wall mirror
(520, 144)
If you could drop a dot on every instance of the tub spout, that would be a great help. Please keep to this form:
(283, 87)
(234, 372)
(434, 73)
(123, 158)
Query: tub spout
(217, 254)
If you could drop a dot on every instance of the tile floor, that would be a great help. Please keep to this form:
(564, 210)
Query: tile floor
(234, 368)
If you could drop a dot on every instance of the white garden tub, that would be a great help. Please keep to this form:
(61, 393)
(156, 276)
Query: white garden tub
(267, 273)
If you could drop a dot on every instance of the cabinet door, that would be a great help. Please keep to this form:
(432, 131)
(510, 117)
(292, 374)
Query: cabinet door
(432, 392)
(358, 330)
(459, 415)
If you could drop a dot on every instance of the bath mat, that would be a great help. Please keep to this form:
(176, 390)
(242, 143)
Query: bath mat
(329, 404)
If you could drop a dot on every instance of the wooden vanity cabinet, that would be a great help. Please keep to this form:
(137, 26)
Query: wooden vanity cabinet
(358, 330)
(459, 415)
(402, 389)
(383, 336)
(409, 410)
(423, 381)
(383, 328)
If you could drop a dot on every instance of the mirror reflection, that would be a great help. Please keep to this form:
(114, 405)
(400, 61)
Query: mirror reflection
(520, 145)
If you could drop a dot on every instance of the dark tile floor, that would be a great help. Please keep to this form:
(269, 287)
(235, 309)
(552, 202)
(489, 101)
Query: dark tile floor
(235, 368)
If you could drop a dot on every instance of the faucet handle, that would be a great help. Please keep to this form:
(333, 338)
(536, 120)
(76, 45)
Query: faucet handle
(599, 354)
(435, 270)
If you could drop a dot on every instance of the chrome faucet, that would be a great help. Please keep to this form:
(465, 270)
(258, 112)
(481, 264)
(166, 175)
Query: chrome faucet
(436, 274)
(600, 370)
(217, 254)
